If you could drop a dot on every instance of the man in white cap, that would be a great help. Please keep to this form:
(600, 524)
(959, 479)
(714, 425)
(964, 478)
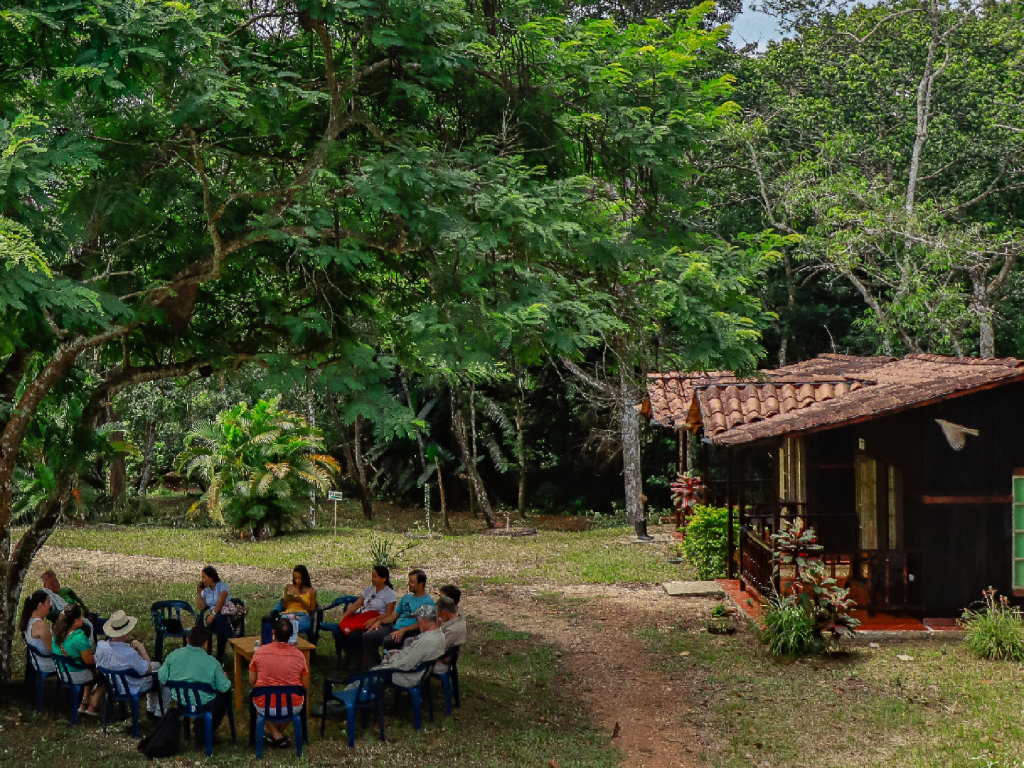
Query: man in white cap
(122, 653)
(428, 645)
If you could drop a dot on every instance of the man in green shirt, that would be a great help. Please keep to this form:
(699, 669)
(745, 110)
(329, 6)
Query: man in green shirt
(59, 599)
(192, 664)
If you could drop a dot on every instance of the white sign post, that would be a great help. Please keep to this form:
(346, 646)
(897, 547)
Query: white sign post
(335, 496)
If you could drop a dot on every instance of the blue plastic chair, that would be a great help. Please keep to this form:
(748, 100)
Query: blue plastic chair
(163, 613)
(370, 693)
(450, 679)
(118, 690)
(424, 670)
(65, 667)
(190, 706)
(311, 634)
(40, 666)
(344, 602)
(278, 698)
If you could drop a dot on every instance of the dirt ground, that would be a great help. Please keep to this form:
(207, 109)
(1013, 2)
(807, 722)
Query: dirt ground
(643, 710)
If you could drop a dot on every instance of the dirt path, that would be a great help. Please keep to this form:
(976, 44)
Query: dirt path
(593, 625)
(611, 669)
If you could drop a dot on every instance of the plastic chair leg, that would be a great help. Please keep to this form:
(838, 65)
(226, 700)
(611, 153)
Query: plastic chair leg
(231, 722)
(135, 717)
(446, 688)
(106, 709)
(323, 717)
(40, 690)
(417, 720)
(380, 717)
(76, 695)
(351, 711)
(297, 727)
(261, 724)
(208, 728)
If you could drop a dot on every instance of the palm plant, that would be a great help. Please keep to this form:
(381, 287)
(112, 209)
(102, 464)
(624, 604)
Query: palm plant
(258, 465)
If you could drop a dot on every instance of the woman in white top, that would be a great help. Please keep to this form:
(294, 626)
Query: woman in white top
(35, 629)
(378, 599)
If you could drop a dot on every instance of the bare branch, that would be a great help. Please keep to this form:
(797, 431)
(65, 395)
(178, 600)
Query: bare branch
(878, 26)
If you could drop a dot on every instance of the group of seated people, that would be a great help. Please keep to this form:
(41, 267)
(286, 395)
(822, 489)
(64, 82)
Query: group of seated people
(410, 630)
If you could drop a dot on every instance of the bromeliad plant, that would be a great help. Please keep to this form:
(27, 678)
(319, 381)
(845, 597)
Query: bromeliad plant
(995, 631)
(258, 464)
(812, 592)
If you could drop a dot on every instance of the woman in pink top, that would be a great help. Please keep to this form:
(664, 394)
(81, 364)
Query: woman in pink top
(278, 663)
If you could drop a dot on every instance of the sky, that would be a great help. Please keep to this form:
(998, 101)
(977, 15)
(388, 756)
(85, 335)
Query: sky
(754, 27)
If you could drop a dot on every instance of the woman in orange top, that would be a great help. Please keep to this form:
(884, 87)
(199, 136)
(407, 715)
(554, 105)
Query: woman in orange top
(300, 598)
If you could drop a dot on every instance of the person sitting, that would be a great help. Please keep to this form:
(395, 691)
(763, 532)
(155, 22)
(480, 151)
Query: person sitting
(35, 629)
(70, 640)
(453, 627)
(392, 629)
(300, 599)
(213, 595)
(278, 663)
(378, 599)
(192, 664)
(122, 653)
(426, 645)
(61, 597)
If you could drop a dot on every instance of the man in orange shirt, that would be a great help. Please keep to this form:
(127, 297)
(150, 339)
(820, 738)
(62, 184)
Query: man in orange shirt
(278, 663)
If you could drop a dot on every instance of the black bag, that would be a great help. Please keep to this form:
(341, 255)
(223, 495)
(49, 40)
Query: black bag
(165, 738)
(173, 626)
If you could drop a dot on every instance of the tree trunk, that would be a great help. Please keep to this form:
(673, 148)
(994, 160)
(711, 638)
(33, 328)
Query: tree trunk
(148, 448)
(629, 429)
(118, 482)
(521, 457)
(476, 482)
(364, 489)
(440, 491)
(420, 452)
(13, 570)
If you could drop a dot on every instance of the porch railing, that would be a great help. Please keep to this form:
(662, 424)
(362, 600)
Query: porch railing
(879, 580)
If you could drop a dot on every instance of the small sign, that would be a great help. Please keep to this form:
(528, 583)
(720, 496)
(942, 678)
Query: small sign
(334, 496)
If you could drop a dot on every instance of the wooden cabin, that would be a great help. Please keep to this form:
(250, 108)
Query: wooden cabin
(910, 470)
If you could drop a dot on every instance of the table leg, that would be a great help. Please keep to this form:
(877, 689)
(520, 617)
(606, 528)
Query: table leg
(238, 680)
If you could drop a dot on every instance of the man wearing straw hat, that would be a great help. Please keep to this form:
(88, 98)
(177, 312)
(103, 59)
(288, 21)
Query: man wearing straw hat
(122, 653)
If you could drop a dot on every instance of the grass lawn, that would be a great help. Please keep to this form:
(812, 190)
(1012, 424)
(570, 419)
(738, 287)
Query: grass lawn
(517, 710)
(865, 708)
(558, 557)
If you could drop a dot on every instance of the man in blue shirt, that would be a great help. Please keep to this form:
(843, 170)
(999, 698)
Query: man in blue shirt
(396, 627)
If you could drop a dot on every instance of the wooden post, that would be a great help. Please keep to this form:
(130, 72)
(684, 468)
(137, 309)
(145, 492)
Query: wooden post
(731, 545)
(742, 472)
(705, 475)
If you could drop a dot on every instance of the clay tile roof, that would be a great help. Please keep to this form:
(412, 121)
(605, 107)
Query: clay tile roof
(826, 391)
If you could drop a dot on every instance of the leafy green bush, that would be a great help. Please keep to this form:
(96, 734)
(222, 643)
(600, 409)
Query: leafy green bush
(789, 630)
(706, 546)
(386, 551)
(259, 464)
(995, 632)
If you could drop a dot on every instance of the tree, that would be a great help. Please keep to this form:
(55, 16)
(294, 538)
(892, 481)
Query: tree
(257, 464)
(885, 138)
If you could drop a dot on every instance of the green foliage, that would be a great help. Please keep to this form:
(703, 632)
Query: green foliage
(811, 591)
(706, 545)
(387, 551)
(259, 464)
(789, 630)
(996, 631)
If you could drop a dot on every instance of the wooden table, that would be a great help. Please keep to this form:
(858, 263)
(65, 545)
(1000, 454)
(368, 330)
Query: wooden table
(245, 647)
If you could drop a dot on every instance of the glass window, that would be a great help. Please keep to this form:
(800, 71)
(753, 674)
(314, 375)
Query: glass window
(792, 471)
(867, 501)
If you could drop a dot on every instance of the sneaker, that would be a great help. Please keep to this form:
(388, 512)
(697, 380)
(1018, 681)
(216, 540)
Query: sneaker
(282, 743)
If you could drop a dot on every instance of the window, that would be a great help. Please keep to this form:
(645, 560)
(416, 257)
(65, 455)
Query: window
(1018, 532)
(867, 501)
(879, 503)
(792, 471)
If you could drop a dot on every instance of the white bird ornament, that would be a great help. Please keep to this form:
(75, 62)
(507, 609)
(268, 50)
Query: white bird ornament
(956, 435)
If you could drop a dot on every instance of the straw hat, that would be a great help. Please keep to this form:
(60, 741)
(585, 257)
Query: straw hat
(119, 624)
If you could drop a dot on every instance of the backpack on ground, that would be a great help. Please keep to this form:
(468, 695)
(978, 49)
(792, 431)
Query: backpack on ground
(165, 738)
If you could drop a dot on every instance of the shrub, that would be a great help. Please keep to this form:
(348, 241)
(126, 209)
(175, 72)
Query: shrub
(259, 464)
(789, 630)
(386, 551)
(996, 631)
(813, 594)
(706, 546)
